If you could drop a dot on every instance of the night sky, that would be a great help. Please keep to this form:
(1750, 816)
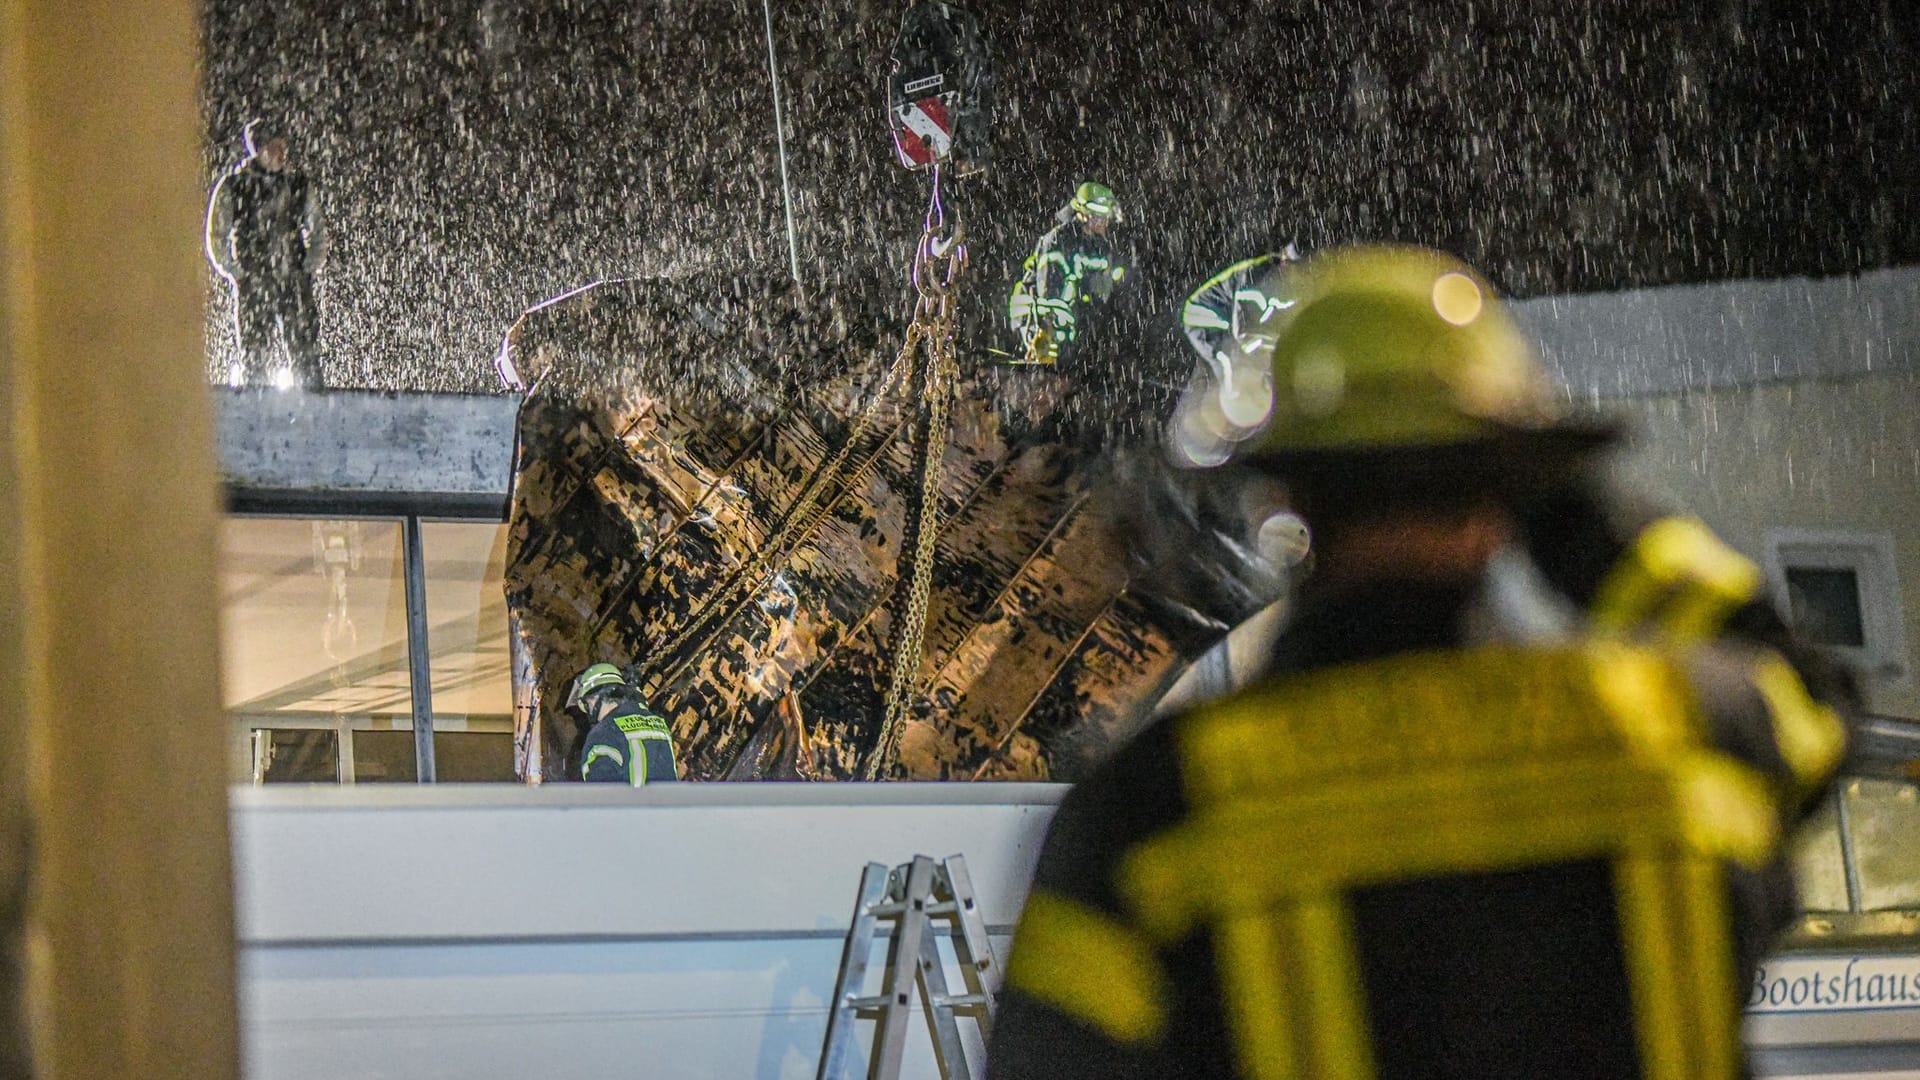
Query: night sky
(476, 158)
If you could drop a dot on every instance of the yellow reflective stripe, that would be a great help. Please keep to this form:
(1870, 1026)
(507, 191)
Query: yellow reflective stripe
(1338, 1036)
(1426, 710)
(1279, 849)
(1714, 1002)
(596, 754)
(1678, 578)
(1811, 737)
(1199, 317)
(1090, 966)
(1255, 997)
(1649, 925)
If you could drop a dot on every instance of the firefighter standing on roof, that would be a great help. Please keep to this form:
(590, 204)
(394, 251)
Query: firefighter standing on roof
(264, 236)
(1460, 829)
(1070, 275)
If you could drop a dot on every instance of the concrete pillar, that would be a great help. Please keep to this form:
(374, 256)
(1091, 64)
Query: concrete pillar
(109, 678)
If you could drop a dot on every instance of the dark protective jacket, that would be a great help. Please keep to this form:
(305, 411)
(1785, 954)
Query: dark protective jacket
(1408, 855)
(1070, 272)
(1241, 297)
(264, 224)
(629, 743)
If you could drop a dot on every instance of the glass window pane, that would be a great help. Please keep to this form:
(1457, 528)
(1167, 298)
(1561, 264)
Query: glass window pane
(313, 627)
(296, 756)
(1818, 869)
(467, 624)
(1826, 605)
(467, 757)
(384, 757)
(1885, 816)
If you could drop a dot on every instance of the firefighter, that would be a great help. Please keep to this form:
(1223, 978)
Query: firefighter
(628, 743)
(264, 236)
(1071, 273)
(1238, 303)
(1450, 833)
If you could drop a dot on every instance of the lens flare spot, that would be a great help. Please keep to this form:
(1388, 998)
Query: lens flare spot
(1457, 299)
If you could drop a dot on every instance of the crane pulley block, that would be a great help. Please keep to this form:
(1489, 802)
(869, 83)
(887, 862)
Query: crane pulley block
(940, 90)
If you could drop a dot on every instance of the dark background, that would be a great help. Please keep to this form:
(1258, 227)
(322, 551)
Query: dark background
(476, 158)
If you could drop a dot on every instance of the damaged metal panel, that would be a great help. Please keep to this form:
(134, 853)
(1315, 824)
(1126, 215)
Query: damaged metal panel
(698, 499)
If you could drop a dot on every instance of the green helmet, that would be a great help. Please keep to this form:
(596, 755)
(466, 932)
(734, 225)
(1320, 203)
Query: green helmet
(595, 677)
(1095, 200)
(1401, 347)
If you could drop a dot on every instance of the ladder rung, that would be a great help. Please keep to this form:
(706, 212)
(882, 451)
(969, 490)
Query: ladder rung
(863, 1004)
(960, 1000)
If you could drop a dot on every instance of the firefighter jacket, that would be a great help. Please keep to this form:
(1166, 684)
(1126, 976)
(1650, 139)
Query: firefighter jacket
(1242, 297)
(1070, 271)
(629, 744)
(264, 224)
(1408, 854)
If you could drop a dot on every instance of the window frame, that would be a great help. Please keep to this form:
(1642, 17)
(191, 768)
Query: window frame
(410, 510)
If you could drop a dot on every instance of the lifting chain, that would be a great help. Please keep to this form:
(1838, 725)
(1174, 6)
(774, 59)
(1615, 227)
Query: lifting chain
(938, 261)
(937, 264)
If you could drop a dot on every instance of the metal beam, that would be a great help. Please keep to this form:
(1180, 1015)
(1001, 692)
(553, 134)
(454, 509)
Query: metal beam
(419, 655)
(288, 451)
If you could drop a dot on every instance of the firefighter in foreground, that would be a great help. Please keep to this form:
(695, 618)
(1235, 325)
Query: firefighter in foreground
(1069, 277)
(628, 743)
(264, 237)
(1448, 834)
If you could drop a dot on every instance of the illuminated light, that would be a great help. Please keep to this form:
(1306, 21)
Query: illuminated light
(236, 375)
(1200, 438)
(283, 379)
(1457, 299)
(1319, 384)
(1283, 539)
(1246, 398)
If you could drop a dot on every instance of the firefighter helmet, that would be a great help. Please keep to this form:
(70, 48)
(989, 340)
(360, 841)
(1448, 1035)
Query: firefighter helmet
(593, 678)
(1094, 200)
(1403, 347)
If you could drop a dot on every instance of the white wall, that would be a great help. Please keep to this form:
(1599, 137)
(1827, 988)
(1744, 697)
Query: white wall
(588, 933)
(688, 930)
(1829, 455)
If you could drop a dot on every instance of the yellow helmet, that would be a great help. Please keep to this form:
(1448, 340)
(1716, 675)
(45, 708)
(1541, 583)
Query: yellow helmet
(1400, 348)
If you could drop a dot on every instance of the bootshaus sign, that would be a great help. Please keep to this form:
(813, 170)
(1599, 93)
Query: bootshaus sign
(1804, 984)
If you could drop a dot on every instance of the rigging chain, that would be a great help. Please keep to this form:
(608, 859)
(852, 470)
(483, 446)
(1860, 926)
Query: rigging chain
(939, 258)
(937, 264)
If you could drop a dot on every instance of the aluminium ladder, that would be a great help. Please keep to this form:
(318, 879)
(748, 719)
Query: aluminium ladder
(911, 896)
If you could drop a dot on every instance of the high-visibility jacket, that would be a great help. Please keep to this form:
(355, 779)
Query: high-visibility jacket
(1244, 296)
(629, 744)
(1069, 270)
(1408, 855)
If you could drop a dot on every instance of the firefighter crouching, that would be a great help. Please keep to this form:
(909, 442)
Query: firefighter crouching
(1457, 830)
(1069, 277)
(628, 743)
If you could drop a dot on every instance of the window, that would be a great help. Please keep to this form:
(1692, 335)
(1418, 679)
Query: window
(1840, 590)
(320, 658)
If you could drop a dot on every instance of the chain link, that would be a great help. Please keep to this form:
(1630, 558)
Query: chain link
(934, 316)
(939, 259)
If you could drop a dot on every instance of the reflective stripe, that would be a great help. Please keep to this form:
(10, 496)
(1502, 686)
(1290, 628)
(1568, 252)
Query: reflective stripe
(1811, 737)
(637, 771)
(1446, 763)
(643, 721)
(1200, 317)
(596, 754)
(1090, 966)
(1256, 997)
(1678, 579)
